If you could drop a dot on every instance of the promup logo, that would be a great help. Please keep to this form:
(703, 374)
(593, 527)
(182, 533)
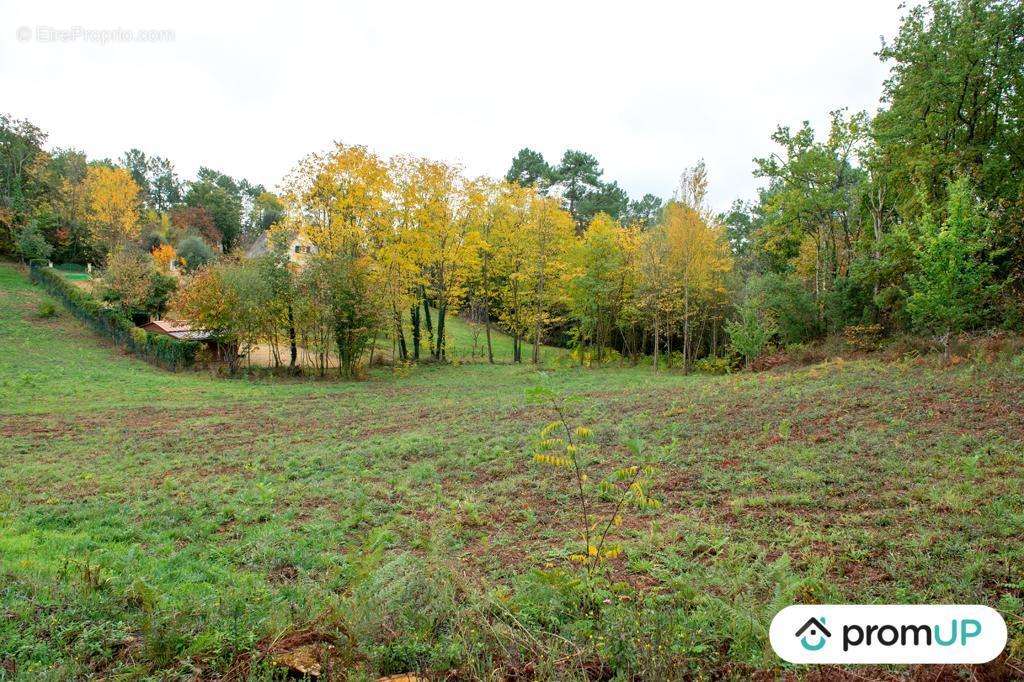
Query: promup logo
(888, 634)
(817, 628)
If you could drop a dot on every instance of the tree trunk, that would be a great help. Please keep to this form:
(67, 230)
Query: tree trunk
(293, 346)
(414, 316)
(403, 351)
(442, 309)
(686, 329)
(657, 341)
(429, 323)
(487, 327)
(536, 343)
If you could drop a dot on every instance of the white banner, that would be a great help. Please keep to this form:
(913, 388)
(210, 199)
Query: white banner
(848, 633)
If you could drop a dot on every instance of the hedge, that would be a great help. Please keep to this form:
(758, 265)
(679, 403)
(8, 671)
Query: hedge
(159, 349)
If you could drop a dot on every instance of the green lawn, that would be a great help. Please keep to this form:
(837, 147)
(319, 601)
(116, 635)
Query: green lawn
(180, 526)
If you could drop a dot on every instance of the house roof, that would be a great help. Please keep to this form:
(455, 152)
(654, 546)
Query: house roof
(259, 247)
(177, 329)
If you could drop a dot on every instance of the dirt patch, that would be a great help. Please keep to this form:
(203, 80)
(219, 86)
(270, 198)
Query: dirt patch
(284, 574)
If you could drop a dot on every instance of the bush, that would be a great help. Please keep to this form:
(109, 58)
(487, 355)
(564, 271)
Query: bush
(152, 240)
(713, 365)
(31, 244)
(193, 253)
(849, 302)
(953, 289)
(47, 310)
(749, 334)
(863, 337)
(789, 306)
(159, 349)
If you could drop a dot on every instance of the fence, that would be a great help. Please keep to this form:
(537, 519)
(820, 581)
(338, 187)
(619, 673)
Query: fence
(159, 349)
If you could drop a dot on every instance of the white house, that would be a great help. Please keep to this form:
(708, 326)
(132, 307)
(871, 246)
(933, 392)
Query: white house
(299, 248)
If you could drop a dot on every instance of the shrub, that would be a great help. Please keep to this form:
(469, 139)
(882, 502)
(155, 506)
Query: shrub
(627, 487)
(713, 365)
(749, 334)
(31, 244)
(47, 310)
(850, 302)
(952, 288)
(864, 337)
(133, 281)
(152, 240)
(193, 253)
(788, 304)
(159, 349)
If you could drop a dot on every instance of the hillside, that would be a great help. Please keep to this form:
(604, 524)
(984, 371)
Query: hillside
(156, 524)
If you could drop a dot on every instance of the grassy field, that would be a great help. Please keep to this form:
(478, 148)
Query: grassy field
(180, 526)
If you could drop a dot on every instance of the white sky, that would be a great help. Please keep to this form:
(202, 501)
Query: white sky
(248, 89)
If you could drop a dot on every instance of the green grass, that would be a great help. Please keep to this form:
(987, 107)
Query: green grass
(461, 336)
(73, 272)
(157, 525)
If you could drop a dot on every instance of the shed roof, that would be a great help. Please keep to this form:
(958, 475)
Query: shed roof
(178, 329)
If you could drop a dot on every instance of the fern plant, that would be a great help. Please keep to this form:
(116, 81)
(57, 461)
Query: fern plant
(561, 445)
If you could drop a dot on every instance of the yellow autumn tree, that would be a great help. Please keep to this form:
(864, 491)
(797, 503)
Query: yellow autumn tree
(509, 254)
(597, 283)
(655, 295)
(342, 198)
(163, 256)
(446, 241)
(112, 200)
(549, 236)
(698, 257)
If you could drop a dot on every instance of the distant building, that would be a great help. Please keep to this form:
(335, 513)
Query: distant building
(183, 331)
(177, 329)
(299, 248)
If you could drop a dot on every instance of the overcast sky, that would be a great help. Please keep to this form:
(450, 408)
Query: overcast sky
(648, 88)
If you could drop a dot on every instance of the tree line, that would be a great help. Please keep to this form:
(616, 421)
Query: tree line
(908, 221)
(401, 244)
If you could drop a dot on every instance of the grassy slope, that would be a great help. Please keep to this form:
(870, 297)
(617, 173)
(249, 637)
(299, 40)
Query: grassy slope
(460, 343)
(151, 521)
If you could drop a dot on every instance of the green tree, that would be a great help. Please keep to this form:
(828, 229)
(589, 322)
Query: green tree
(71, 237)
(607, 198)
(951, 290)
(22, 159)
(579, 175)
(750, 333)
(791, 307)
(223, 206)
(164, 187)
(598, 263)
(645, 211)
(267, 209)
(135, 162)
(955, 97)
(811, 207)
(193, 253)
(132, 280)
(342, 286)
(529, 169)
(31, 244)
